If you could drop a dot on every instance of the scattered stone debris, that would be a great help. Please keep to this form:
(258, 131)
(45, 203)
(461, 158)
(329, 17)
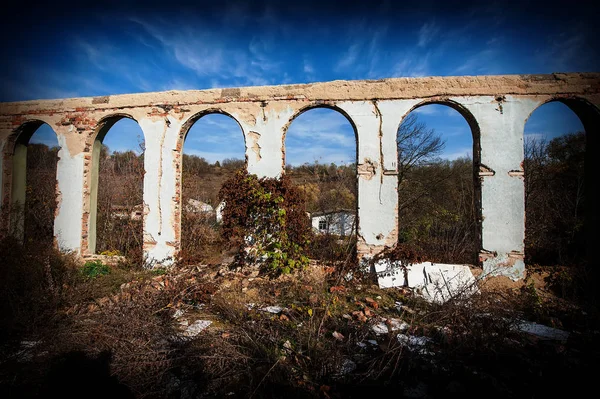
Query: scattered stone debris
(418, 391)
(397, 325)
(346, 367)
(386, 325)
(414, 343)
(193, 329)
(26, 350)
(272, 309)
(196, 328)
(543, 332)
(380, 328)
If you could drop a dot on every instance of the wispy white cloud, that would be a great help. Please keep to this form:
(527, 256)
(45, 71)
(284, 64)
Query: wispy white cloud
(481, 62)
(427, 33)
(535, 136)
(565, 51)
(318, 153)
(363, 57)
(449, 111)
(215, 55)
(308, 67)
(411, 65)
(178, 84)
(44, 135)
(213, 156)
(458, 153)
(320, 135)
(321, 126)
(427, 110)
(55, 83)
(215, 130)
(349, 57)
(438, 109)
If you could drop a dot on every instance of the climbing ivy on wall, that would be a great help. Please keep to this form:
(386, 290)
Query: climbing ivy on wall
(266, 219)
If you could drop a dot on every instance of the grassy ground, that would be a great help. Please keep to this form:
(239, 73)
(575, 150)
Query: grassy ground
(314, 333)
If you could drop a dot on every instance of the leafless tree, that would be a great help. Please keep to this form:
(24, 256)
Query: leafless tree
(418, 145)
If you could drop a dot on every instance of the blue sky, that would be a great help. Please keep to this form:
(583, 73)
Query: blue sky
(67, 50)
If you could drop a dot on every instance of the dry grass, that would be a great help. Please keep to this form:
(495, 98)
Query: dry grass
(120, 331)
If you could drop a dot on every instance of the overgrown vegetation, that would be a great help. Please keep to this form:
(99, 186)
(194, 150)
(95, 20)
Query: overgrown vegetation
(266, 219)
(40, 194)
(310, 333)
(94, 268)
(306, 324)
(119, 227)
(555, 200)
(201, 237)
(436, 211)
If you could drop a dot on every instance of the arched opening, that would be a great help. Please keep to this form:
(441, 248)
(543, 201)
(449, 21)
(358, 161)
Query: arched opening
(116, 199)
(438, 188)
(320, 158)
(560, 137)
(214, 150)
(33, 193)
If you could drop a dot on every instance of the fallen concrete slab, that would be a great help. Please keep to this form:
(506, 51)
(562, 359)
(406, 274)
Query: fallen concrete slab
(543, 332)
(394, 274)
(436, 282)
(196, 328)
(447, 281)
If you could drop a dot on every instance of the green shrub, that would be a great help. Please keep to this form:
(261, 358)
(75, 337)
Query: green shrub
(94, 268)
(158, 271)
(266, 218)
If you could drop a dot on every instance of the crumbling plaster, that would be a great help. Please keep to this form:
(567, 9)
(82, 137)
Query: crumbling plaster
(497, 107)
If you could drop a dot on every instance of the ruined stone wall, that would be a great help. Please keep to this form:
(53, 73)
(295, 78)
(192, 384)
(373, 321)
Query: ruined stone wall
(496, 108)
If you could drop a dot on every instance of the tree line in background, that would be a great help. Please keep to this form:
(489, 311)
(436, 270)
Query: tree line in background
(436, 206)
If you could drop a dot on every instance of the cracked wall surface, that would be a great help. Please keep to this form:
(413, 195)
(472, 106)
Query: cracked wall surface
(496, 107)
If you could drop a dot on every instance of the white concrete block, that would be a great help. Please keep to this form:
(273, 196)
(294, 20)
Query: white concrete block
(543, 332)
(445, 281)
(392, 274)
(196, 328)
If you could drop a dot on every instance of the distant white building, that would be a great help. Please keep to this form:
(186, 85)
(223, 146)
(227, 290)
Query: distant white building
(219, 211)
(127, 212)
(340, 222)
(197, 206)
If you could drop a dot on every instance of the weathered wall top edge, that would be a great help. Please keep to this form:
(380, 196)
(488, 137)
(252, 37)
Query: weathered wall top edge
(337, 90)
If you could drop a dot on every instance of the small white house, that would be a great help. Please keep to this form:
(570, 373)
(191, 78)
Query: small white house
(219, 211)
(340, 222)
(127, 212)
(196, 206)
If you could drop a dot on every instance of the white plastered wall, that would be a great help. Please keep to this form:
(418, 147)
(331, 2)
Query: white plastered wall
(264, 140)
(160, 199)
(69, 176)
(501, 123)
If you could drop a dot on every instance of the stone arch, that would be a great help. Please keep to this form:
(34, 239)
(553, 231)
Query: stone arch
(589, 115)
(180, 215)
(329, 215)
(586, 111)
(94, 146)
(317, 105)
(476, 151)
(15, 174)
(185, 128)
(464, 112)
